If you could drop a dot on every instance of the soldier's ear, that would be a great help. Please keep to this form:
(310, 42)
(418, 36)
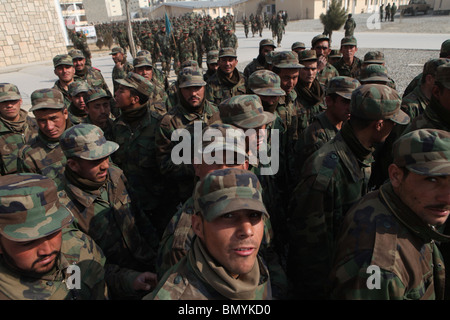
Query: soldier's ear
(197, 225)
(395, 175)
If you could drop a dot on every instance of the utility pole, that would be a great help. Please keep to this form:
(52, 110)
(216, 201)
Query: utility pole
(130, 29)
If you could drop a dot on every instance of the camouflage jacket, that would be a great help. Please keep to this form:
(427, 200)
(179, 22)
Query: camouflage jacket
(331, 182)
(255, 65)
(107, 130)
(93, 77)
(65, 93)
(76, 116)
(210, 43)
(346, 70)
(382, 231)
(44, 157)
(219, 88)
(435, 116)
(311, 103)
(415, 103)
(11, 141)
(187, 50)
(108, 216)
(77, 249)
(326, 74)
(229, 41)
(120, 73)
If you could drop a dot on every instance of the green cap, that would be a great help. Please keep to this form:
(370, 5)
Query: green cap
(142, 61)
(86, 141)
(8, 92)
(298, 45)
(424, 151)
(191, 77)
(96, 93)
(62, 59)
(307, 55)
(343, 86)
(138, 82)
(443, 75)
(212, 56)
(267, 42)
(76, 54)
(349, 41)
(77, 87)
(30, 207)
(377, 102)
(445, 48)
(47, 99)
(116, 50)
(265, 83)
(374, 57)
(319, 37)
(145, 53)
(374, 72)
(335, 53)
(244, 111)
(286, 60)
(228, 190)
(227, 52)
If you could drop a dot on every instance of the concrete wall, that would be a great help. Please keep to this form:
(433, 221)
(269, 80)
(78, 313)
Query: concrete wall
(30, 31)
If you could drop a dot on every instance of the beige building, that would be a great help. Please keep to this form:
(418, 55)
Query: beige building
(212, 8)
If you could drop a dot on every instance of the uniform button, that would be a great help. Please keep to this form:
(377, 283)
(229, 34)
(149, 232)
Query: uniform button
(50, 283)
(177, 279)
(387, 224)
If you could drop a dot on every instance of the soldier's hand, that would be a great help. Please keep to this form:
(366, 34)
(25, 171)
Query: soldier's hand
(146, 281)
(321, 63)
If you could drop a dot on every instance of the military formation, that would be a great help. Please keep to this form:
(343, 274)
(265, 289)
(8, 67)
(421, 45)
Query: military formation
(305, 176)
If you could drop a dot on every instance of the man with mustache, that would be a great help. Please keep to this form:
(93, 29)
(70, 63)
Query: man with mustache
(223, 262)
(389, 245)
(98, 109)
(65, 71)
(38, 248)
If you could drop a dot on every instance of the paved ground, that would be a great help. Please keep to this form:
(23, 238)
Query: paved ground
(40, 75)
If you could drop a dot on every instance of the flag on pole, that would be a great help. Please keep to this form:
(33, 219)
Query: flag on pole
(168, 25)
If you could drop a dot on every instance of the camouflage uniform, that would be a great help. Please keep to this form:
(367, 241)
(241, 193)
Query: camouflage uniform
(13, 134)
(187, 49)
(219, 87)
(118, 73)
(259, 62)
(41, 155)
(349, 26)
(166, 52)
(195, 276)
(75, 114)
(104, 211)
(376, 73)
(381, 230)
(92, 95)
(335, 177)
(37, 213)
(343, 68)
(229, 40)
(63, 59)
(211, 58)
(328, 71)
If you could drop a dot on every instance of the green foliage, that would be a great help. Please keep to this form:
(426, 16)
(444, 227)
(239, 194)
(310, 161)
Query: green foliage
(334, 19)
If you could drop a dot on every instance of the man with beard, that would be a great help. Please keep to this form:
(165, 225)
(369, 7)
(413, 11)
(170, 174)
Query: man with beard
(39, 253)
(325, 71)
(265, 46)
(192, 107)
(228, 81)
(65, 71)
(16, 127)
(211, 62)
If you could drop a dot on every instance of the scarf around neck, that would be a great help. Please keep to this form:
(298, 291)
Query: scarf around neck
(16, 126)
(312, 95)
(361, 152)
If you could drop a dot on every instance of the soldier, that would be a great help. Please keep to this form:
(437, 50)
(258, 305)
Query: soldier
(381, 12)
(135, 132)
(229, 40)
(230, 193)
(210, 41)
(388, 12)
(43, 154)
(211, 62)
(393, 10)
(98, 111)
(279, 27)
(399, 227)
(95, 192)
(325, 70)
(348, 65)
(121, 66)
(77, 108)
(165, 51)
(39, 251)
(258, 63)
(187, 48)
(334, 56)
(228, 80)
(334, 178)
(80, 43)
(246, 23)
(298, 46)
(16, 127)
(376, 73)
(65, 71)
(349, 26)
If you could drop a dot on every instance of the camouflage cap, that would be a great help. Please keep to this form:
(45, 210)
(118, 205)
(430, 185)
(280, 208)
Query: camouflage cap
(227, 52)
(30, 208)
(343, 86)
(374, 72)
(244, 111)
(145, 53)
(265, 83)
(286, 60)
(377, 102)
(212, 56)
(76, 54)
(349, 41)
(142, 61)
(96, 93)
(191, 77)
(267, 42)
(47, 99)
(319, 37)
(424, 151)
(77, 87)
(374, 57)
(8, 92)
(307, 55)
(431, 66)
(86, 141)
(228, 190)
(138, 82)
(335, 53)
(117, 50)
(62, 59)
(298, 45)
(443, 75)
(189, 63)
(445, 49)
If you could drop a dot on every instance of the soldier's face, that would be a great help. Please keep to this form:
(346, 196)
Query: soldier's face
(79, 100)
(36, 256)
(117, 57)
(233, 239)
(289, 79)
(79, 64)
(10, 110)
(348, 52)
(93, 170)
(227, 64)
(428, 197)
(212, 66)
(266, 49)
(65, 73)
(145, 71)
(193, 95)
(338, 108)
(443, 96)
(98, 111)
(309, 72)
(124, 98)
(52, 123)
(322, 48)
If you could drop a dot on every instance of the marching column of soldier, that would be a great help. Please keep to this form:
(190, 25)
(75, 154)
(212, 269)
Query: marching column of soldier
(362, 181)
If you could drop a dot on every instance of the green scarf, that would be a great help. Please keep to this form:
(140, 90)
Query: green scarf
(16, 126)
(361, 152)
(312, 95)
(133, 115)
(442, 114)
(82, 183)
(207, 269)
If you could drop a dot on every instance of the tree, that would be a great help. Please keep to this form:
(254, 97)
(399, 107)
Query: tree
(334, 19)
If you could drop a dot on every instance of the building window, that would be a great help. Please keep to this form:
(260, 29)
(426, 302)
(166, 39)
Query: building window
(323, 3)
